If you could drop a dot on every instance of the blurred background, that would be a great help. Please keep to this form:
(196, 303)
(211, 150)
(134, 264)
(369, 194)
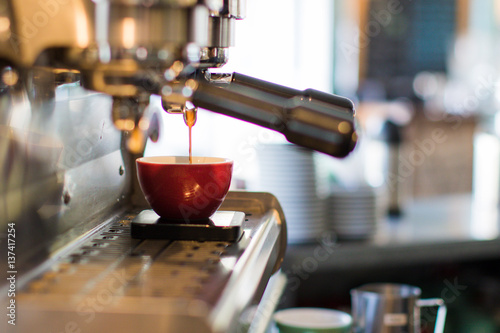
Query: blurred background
(417, 202)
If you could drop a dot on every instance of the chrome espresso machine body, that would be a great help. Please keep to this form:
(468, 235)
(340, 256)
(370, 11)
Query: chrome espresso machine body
(75, 81)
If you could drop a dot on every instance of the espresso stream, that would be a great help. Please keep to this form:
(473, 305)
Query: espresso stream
(190, 120)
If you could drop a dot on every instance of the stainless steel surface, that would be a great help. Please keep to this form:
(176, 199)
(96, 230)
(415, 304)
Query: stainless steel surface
(132, 49)
(108, 281)
(57, 136)
(60, 159)
(384, 308)
(259, 317)
(35, 26)
(76, 77)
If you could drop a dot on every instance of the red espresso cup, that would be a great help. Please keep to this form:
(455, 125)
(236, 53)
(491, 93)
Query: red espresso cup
(183, 191)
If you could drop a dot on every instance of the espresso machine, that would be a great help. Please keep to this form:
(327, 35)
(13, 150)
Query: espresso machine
(76, 77)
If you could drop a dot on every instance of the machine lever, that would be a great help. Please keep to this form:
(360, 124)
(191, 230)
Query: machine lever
(308, 118)
(287, 92)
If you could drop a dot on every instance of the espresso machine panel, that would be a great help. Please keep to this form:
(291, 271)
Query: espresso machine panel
(76, 77)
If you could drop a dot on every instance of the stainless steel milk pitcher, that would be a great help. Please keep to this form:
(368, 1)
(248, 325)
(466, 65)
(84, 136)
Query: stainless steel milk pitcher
(392, 308)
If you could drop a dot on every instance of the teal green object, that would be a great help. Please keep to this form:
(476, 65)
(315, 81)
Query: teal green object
(312, 320)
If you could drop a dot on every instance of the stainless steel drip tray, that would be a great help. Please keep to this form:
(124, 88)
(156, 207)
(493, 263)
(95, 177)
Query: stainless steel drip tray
(113, 283)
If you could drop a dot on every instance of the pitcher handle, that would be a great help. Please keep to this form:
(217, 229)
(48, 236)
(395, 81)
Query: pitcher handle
(441, 313)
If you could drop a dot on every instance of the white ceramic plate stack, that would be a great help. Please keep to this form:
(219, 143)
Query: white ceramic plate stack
(353, 213)
(289, 172)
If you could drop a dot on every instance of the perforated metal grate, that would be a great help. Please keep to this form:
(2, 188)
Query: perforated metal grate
(110, 281)
(154, 268)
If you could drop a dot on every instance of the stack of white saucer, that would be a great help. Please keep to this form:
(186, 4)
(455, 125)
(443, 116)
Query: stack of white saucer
(289, 172)
(353, 213)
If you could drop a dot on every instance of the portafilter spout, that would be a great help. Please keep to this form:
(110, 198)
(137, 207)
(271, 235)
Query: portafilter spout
(309, 118)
